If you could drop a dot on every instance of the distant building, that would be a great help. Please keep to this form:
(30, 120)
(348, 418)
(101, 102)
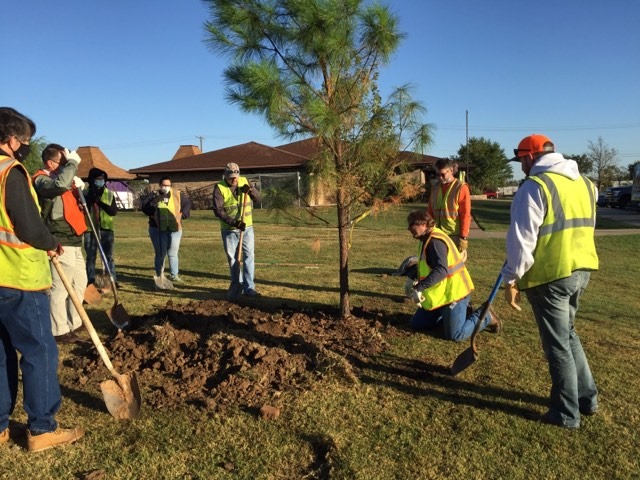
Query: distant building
(118, 178)
(196, 172)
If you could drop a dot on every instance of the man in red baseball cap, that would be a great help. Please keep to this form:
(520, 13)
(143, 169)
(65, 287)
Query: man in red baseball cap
(550, 255)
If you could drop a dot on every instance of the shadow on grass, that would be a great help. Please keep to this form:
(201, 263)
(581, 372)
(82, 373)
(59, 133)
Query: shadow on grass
(420, 379)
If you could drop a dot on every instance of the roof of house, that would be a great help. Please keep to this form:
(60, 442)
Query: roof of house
(187, 151)
(309, 146)
(248, 156)
(93, 157)
(252, 156)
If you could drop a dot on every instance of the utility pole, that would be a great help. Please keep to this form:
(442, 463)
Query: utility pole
(466, 150)
(201, 139)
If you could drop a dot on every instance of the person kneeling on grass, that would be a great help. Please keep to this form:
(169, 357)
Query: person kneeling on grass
(443, 288)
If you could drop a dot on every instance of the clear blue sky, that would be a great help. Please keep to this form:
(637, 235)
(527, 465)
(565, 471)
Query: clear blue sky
(134, 78)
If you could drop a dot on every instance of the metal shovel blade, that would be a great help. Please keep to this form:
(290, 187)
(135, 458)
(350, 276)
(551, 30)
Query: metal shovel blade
(464, 360)
(103, 282)
(119, 316)
(122, 398)
(162, 282)
(92, 295)
(471, 354)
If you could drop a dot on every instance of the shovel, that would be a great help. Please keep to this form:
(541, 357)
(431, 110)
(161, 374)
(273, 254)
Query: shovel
(162, 282)
(117, 314)
(238, 264)
(471, 354)
(92, 295)
(122, 396)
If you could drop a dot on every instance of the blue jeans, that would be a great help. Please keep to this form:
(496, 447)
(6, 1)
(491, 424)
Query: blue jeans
(240, 279)
(165, 244)
(573, 389)
(107, 239)
(25, 326)
(453, 317)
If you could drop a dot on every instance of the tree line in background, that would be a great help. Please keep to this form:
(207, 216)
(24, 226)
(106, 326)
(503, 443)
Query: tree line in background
(491, 170)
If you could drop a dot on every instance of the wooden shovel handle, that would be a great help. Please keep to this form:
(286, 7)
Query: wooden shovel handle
(244, 209)
(85, 318)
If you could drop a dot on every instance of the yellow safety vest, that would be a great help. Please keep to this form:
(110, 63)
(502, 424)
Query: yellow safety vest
(103, 220)
(455, 286)
(21, 266)
(445, 209)
(233, 204)
(566, 236)
(168, 216)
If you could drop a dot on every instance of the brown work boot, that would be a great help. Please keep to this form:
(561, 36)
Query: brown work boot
(4, 436)
(61, 436)
(496, 324)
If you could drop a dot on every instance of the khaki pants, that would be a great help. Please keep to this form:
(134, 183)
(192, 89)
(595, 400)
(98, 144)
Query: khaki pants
(64, 317)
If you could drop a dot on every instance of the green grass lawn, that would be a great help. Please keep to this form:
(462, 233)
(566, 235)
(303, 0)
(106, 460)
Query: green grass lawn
(404, 417)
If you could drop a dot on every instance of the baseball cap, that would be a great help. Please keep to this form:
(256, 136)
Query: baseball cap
(534, 143)
(232, 170)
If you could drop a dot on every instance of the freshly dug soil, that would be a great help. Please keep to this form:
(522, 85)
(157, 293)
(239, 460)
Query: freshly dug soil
(215, 354)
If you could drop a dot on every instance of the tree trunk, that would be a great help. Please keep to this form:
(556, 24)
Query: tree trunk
(343, 239)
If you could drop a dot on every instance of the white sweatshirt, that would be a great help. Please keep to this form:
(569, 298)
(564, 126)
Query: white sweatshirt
(527, 214)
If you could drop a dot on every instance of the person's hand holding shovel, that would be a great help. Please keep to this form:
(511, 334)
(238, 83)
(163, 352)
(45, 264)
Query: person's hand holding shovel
(57, 252)
(512, 295)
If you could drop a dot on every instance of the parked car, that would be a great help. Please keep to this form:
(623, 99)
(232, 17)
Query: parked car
(618, 197)
(491, 194)
(602, 199)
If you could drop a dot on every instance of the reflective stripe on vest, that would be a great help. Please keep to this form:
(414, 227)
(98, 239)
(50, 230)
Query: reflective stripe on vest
(168, 216)
(445, 209)
(22, 267)
(455, 286)
(566, 236)
(232, 204)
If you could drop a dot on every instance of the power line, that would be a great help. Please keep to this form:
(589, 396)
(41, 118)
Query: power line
(619, 126)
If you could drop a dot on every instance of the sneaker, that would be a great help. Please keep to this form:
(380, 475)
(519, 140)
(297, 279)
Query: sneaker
(252, 293)
(175, 279)
(4, 436)
(61, 436)
(496, 324)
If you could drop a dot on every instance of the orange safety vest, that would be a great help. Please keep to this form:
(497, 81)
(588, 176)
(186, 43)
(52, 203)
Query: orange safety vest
(70, 208)
(445, 208)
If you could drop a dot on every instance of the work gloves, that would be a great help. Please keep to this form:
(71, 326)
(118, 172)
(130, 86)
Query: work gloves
(512, 295)
(158, 197)
(417, 297)
(78, 183)
(463, 244)
(245, 189)
(240, 225)
(72, 155)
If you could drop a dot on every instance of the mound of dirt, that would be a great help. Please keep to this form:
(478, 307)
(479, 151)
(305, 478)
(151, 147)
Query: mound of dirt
(215, 354)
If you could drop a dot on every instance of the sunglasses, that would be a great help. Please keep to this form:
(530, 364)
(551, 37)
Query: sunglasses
(520, 153)
(233, 171)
